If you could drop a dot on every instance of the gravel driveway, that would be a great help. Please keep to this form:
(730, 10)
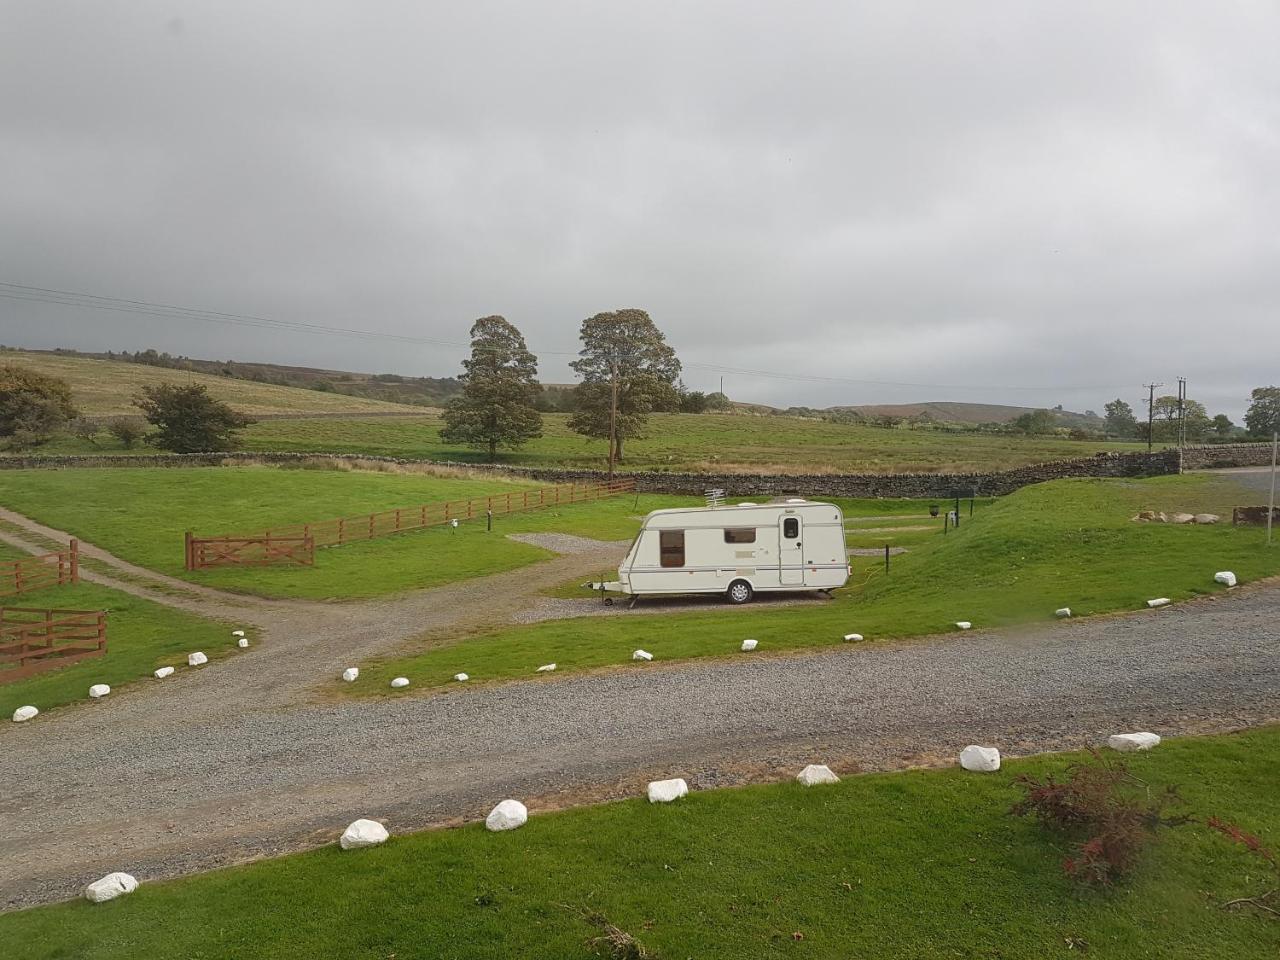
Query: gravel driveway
(233, 762)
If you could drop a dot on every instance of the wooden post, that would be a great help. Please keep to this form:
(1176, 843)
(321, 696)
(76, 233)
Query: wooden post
(342, 529)
(75, 559)
(102, 630)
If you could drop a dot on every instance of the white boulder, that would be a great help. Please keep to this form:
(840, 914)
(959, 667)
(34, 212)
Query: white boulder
(1133, 742)
(23, 714)
(853, 637)
(1159, 602)
(237, 633)
(196, 659)
(748, 645)
(1182, 518)
(351, 674)
(664, 791)
(109, 887)
(461, 677)
(641, 655)
(1225, 577)
(242, 643)
(1062, 613)
(163, 672)
(1207, 518)
(507, 815)
(546, 668)
(399, 682)
(816, 773)
(963, 624)
(99, 690)
(363, 833)
(980, 759)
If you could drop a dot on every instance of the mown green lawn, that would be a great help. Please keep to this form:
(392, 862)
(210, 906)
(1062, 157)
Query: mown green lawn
(142, 514)
(141, 636)
(923, 865)
(1066, 543)
(703, 442)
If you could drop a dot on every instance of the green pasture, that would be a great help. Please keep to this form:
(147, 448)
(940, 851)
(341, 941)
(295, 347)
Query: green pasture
(1066, 543)
(921, 865)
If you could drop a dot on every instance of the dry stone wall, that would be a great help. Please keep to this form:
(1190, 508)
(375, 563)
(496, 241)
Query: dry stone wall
(734, 484)
(1219, 455)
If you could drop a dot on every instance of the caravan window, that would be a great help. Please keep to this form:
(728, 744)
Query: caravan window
(671, 548)
(740, 535)
(791, 527)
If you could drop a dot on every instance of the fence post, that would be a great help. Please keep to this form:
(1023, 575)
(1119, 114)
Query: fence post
(102, 631)
(342, 529)
(75, 560)
(190, 561)
(886, 559)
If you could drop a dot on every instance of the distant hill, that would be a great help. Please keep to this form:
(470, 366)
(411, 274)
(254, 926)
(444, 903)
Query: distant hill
(947, 411)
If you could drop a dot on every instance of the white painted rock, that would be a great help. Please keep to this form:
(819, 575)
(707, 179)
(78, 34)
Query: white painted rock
(109, 887)
(399, 682)
(461, 677)
(1225, 577)
(642, 655)
(23, 714)
(748, 646)
(1159, 602)
(853, 637)
(1062, 613)
(99, 690)
(363, 833)
(163, 672)
(963, 624)
(242, 643)
(196, 659)
(546, 668)
(507, 815)
(350, 674)
(237, 633)
(980, 759)
(1207, 518)
(1181, 518)
(816, 773)
(664, 791)
(1133, 742)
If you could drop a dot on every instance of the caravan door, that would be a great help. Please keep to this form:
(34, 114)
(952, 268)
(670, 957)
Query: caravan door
(790, 551)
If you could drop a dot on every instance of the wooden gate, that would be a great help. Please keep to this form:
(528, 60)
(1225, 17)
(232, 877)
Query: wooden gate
(33, 640)
(205, 552)
(36, 573)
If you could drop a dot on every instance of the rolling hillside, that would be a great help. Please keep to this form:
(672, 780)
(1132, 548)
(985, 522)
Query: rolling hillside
(947, 411)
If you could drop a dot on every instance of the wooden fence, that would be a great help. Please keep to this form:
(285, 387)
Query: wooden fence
(297, 543)
(34, 640)
(36, 573)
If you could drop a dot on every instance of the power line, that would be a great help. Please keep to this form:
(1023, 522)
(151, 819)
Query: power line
(33, 294)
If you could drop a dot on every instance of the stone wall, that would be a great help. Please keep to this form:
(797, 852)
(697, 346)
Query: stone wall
(1215, 455)
(938, 485)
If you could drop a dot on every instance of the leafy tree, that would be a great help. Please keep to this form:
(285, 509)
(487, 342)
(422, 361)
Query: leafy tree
(693, 401)
(187, 419)
(1263, 416)
(33, 406)
(1222, 426)
(127, 430)
(499, 391)
(718, 401)
(1035, 422)
(1120, 421)
(628, 345)
(1165, 417)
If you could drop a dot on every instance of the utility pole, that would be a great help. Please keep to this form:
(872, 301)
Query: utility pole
(722, 384)
(1151, 409)
(613, 414)
(1271, 501)
(1182, 413)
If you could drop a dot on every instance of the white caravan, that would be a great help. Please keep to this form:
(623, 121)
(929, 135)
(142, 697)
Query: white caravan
(738, 550)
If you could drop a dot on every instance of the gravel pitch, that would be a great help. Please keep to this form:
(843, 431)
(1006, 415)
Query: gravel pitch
(232, 761)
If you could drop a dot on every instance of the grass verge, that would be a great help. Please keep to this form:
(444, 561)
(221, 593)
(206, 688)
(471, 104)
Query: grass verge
(922, 864)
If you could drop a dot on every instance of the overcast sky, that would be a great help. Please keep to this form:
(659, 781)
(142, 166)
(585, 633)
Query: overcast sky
(1031, 203)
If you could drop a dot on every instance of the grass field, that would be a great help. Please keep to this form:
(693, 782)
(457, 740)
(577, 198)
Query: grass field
(141, 515)
(1066, 543)
(141, 636)
(107, 387)
(701, 442)
(923, 865)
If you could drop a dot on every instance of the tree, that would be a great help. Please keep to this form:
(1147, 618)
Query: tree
(187, 419)
(624, 346)
(127, 430)
(1036, 422)
(1222, 426)
(33, 406)
(499, 391)
(693, 401)
(1263, 416)
(1120, 421)
(1165, 416)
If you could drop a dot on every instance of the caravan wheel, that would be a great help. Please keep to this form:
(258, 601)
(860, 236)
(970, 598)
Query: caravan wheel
(739, 592)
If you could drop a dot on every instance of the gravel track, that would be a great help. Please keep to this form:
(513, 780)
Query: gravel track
(232, 762)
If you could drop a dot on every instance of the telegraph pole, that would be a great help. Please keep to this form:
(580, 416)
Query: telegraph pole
(1271, 501)
(1151, 409)
(1182, 413)
(613, 414)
